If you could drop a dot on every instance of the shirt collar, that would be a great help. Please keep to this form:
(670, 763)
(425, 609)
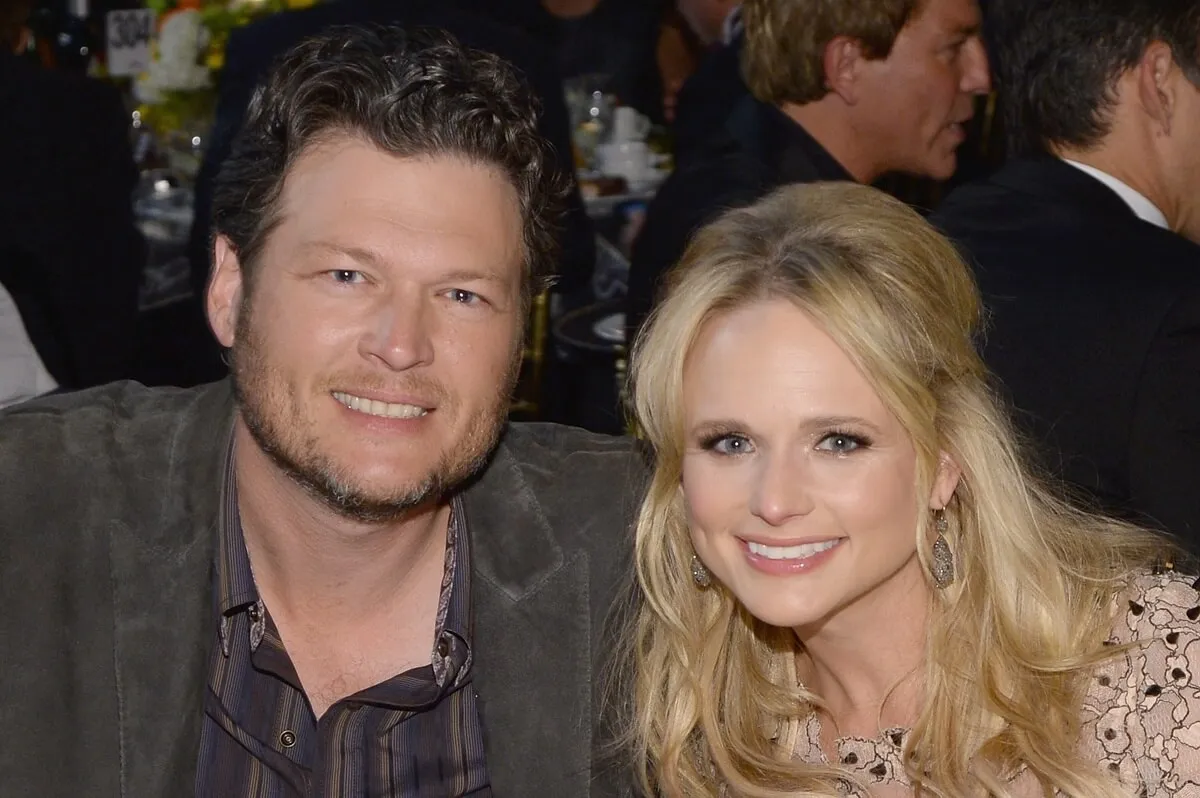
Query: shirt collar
(235, 580)
(799, 151)
(1145, 210)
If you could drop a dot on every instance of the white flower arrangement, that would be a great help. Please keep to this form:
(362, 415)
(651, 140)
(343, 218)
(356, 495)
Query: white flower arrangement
(178, 62)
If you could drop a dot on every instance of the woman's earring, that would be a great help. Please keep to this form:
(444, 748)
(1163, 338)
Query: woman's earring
(700, 574)
(942, 567)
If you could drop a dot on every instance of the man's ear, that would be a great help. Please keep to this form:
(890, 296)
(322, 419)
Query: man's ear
(843, 64)
(225, 288)
(945, 481)
(1156, 91)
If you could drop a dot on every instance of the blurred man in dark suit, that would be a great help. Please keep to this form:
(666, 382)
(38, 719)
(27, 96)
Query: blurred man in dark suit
(1093, 294)
(70, 254)
(252, 49)
(716, 86)
(841, 91)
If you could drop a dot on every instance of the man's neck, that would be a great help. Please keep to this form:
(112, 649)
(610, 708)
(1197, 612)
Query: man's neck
(310, 562)
(833, 131)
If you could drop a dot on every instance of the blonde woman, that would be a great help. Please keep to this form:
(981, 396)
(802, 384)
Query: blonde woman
(851, 582)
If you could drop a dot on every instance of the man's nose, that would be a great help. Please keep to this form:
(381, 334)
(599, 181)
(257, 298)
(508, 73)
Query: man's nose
(399, 334)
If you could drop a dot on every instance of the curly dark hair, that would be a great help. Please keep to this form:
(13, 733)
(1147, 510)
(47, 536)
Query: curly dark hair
(409, 92)
(1056, 62)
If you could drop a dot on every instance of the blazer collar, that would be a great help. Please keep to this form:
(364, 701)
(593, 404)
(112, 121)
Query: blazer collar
(1047, 176)
(163, 612)
(781, 144)
(533, 639)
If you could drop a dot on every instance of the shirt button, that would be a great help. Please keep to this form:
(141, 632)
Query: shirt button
(443, 647)
(287, 739)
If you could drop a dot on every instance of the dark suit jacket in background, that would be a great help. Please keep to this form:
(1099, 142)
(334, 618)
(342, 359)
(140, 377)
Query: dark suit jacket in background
(106, 599)
(706, 99)
(1094, 331)
(252, 50)
(68, 243)
(757, 150)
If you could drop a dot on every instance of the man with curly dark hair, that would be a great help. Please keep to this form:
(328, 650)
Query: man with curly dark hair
(340, 573)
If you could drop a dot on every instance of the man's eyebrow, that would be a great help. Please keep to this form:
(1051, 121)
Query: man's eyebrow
(473, 275)
(357, 254)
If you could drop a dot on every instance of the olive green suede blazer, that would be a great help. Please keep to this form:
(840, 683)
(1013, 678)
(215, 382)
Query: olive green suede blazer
(108, 509)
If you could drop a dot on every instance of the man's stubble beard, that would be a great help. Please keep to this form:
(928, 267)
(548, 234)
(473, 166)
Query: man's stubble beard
(266, 407)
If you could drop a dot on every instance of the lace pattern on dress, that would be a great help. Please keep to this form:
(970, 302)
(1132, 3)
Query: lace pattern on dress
(1141, 714)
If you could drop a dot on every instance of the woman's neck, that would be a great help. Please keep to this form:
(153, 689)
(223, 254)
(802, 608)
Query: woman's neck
(866, 661)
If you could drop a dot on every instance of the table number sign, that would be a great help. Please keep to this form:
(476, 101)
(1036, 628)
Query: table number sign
(129, 35)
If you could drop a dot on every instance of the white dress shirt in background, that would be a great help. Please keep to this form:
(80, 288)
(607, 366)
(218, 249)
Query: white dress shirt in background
(22, 374)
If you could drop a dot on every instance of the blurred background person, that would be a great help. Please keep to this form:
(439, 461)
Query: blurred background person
(615, 41)
(840, 91)
(716, 85)
(68, 243)
(1079, 245)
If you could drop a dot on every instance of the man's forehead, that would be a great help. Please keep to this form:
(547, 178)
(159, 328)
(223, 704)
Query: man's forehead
(363, 209)
(352, 171)
(332, 144)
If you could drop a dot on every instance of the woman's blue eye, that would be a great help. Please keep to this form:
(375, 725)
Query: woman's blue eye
(841, 443)
(729, 445)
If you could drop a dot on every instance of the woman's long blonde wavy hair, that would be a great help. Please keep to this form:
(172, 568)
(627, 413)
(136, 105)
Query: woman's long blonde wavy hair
(716, 706)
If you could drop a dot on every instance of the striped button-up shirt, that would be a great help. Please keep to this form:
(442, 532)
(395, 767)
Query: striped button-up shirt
(416, 735)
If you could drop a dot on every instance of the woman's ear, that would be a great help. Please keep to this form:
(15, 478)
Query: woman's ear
(945, 481)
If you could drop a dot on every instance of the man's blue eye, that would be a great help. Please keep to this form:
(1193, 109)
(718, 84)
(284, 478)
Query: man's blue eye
(346, 275)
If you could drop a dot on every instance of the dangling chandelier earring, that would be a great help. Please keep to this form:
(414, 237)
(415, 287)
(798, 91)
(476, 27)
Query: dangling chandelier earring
(700, 574)
(942, 567)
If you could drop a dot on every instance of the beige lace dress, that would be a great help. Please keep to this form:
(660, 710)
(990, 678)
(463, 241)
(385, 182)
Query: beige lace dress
(1141, 714)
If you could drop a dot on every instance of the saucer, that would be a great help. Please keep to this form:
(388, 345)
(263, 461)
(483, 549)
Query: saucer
(611, 328)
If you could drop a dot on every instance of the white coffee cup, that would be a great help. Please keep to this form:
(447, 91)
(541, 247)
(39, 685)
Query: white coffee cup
(627, 159)
(629, 125)
(632, 160)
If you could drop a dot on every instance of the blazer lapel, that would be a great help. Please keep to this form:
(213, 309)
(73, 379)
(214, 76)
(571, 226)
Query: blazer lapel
(162, 596)
(532, 641)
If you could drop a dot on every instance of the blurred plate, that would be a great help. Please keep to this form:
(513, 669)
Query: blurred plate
(611, 328)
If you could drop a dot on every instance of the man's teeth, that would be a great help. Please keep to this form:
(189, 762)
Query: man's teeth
(791, 552)
(376, 408)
